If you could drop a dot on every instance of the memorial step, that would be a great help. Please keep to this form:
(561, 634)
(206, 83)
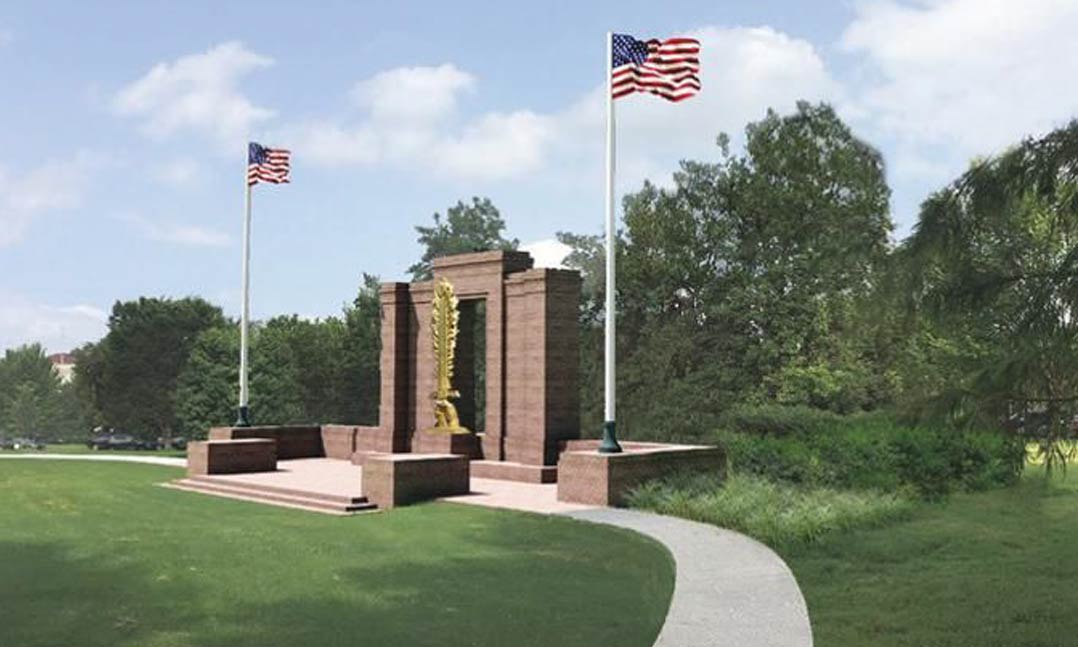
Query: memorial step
(312, 501)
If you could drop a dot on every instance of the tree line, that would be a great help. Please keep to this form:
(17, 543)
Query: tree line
(768, 276)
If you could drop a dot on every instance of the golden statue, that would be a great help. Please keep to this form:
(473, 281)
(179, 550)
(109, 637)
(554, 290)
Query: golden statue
(444, 320)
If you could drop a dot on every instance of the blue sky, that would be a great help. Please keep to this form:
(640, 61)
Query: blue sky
(125, 126)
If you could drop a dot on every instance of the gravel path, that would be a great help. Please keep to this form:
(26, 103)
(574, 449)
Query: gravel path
(730, 590)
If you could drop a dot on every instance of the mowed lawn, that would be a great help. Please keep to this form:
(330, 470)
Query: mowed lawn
(97, 554)
(992, 569)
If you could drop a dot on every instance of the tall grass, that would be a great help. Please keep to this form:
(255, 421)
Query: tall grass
(778, 514)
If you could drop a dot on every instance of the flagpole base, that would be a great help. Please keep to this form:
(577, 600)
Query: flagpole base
(609, 444)
(243, 417)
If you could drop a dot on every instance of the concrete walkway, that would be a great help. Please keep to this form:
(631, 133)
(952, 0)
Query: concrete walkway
(729, 591)
(171, 461)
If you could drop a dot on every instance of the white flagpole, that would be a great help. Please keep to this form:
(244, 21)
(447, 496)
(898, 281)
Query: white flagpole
(609, 444)
(243, 417)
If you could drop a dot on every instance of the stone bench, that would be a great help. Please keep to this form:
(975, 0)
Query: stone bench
(231, 456)
(391, 480)
(586, 476)
(293, 441)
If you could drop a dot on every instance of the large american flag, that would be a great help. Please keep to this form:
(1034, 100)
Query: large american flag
(268, 164)
(669, 68)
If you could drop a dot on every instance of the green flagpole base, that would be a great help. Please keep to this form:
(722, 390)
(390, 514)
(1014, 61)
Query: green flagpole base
(243, 417)
(609, 444)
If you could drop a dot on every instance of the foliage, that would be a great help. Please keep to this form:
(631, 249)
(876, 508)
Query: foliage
(995, 258)
(33, 402)
(99, 555)
(869, 451)
(141, 358)
(474, 227)
(776, 513)
(745, 280)
(360, 356)
(209, 383)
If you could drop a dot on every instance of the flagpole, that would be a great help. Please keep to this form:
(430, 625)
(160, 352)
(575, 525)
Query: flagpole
(609, 444)
(243, 418)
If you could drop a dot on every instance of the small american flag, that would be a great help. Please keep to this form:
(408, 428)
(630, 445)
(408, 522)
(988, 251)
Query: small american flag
(268, 164)
(668, 68)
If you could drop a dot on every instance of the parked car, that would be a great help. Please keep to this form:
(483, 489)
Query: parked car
(27, 443)
(118, 441)
(177, 442)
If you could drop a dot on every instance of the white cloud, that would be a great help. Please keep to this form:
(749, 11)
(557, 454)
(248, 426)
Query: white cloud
(951, 79)
(58, 328)
(548, 252)
(409, 116)
(53, 186)
(6, 37)
(176, 233)
(198, 93)
(413, 93)
(408, 122)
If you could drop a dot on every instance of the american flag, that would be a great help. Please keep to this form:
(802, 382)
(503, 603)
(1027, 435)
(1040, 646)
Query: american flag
(668, 68)
(268, 164)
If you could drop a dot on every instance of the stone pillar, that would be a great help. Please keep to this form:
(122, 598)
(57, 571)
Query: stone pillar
(396, 363)
(542, 356)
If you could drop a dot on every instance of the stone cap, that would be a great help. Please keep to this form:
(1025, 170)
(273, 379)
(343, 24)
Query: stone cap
(510, 260)
(237, 441)
(409, 457)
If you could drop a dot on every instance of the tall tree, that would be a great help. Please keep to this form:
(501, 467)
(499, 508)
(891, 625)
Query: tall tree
(33, 402)
(746, 271)
(207, 385)
(475, 227)
(995, 259)
(146, 347)
(361, 355)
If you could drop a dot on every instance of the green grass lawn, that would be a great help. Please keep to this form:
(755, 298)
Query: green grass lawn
(991, 569)
(97, 554)
(81, 448)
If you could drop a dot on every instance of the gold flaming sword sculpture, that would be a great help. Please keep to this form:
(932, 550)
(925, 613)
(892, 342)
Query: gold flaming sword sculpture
(444, 321)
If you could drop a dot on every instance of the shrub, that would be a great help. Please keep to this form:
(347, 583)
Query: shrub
(868, 451)
(777, 514)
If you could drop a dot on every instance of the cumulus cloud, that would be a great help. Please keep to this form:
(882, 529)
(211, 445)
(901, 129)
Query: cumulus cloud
(197, 93)
(53, 186)
(410, 116)
(951, 79)
(548, 252)
(177, 233)
(413, 93)
(57, 328)
(408, 120)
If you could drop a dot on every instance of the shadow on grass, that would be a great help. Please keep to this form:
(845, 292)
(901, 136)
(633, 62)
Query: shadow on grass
(50, 597)
(510, 590)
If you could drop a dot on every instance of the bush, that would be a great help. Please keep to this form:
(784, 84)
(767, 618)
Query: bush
(867, 451)
(777, 514)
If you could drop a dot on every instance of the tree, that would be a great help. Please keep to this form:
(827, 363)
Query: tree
(361, 355)
(747, 274)
(994, 258)
(33, 402)
(207, 387)
(143, 353)
(474, 227)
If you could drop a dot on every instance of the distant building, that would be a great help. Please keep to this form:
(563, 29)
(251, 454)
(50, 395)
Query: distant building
(64, 365)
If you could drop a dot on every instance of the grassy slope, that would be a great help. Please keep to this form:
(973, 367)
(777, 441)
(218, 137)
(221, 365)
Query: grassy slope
(990, 569)
(96, 554)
